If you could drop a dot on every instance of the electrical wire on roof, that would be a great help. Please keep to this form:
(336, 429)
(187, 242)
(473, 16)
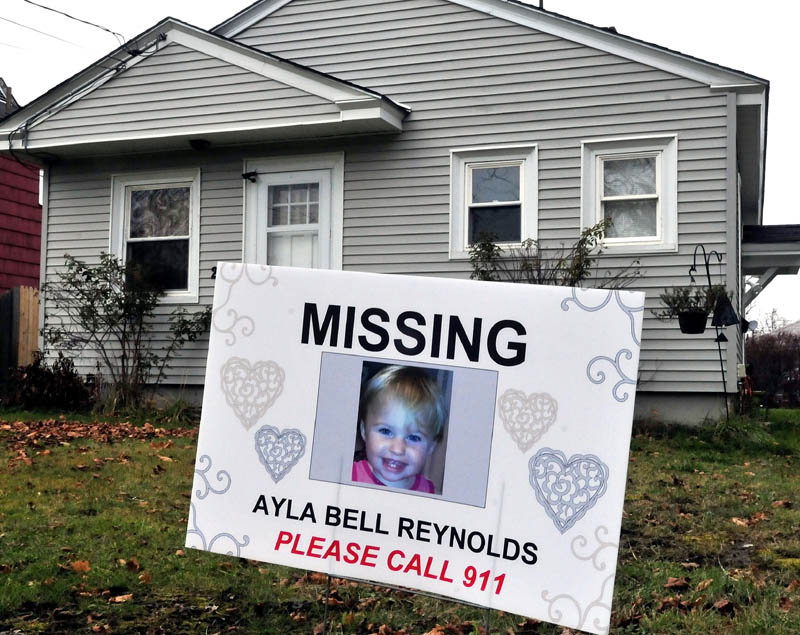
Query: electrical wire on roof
(76, 94)
(119, 37)
(30, 28)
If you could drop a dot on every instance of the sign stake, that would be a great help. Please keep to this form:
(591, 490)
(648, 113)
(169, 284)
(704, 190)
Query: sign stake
(327, 601)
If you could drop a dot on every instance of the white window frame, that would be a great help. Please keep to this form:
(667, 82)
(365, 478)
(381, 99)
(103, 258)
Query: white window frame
(270, 170)
(120, 184)
(462, 161)
(665, 150)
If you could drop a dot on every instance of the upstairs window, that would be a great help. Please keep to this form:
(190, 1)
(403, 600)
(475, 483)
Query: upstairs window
(633, 183)
(155, 220)
(493, 192)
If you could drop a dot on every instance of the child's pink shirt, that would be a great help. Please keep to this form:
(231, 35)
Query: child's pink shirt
(362, 473)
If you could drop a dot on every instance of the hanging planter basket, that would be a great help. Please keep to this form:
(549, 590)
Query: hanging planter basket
(692, 322)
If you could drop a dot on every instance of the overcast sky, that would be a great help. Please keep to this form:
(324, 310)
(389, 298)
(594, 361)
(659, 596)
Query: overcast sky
(39, 49)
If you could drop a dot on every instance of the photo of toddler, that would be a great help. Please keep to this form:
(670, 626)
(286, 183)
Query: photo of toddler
(401, 419)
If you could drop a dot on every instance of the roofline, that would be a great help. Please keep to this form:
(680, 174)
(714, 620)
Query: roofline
(96, 70)
(557, 24)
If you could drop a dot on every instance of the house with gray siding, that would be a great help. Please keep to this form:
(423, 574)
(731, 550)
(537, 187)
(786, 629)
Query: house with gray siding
(384, 135)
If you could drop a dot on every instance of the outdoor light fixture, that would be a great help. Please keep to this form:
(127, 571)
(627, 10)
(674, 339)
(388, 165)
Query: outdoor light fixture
(199, 144)
(724, 313)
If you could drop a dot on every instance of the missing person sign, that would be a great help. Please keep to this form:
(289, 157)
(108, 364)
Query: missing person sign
(463, 438)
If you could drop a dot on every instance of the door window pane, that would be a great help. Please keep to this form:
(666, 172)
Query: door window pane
(294, 204)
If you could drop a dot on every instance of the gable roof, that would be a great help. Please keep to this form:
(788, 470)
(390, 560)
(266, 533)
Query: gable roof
(604, 39)
(352, 109)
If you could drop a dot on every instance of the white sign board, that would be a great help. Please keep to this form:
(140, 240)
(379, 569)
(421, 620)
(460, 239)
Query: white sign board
(464, 438)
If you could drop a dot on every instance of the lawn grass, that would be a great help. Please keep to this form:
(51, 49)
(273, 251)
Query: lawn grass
(91, 540)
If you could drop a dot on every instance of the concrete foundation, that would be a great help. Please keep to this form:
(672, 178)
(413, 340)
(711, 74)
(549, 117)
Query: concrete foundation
(684, 408)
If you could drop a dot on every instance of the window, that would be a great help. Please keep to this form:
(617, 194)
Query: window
(633, 183)
(493, 191)
(154, 224)
(293, 211)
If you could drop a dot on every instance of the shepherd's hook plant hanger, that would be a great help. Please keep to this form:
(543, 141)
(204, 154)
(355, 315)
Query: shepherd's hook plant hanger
(724, 313)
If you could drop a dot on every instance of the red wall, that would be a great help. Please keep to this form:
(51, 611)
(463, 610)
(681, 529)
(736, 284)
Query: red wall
(20, 224)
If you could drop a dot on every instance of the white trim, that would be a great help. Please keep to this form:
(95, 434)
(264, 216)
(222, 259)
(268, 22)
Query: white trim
(665, 148)
(560, 26)
(293, 75)
(460, 161)
(43, 247)
(119, 221)
(247, 18)
(331, 161)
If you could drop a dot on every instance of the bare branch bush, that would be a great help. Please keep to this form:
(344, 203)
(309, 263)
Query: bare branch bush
(569, 266)
(109, 310)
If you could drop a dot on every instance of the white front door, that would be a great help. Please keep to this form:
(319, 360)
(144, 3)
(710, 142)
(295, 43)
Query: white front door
(290, 213)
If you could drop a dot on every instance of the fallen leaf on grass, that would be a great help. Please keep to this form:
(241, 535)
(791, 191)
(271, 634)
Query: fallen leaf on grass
(145, 577)
(180, 552)
(793, 585)
(166, 459)
(704, 584)
(671, 602)
(132, 564)
(785, 604)
(677, 583)
(119, 599)
(724, 606)
(689, 565)
(739, 521)
(81, 566)
(786, 504)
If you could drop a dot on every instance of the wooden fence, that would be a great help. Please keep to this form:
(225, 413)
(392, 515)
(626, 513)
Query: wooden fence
(19, 328)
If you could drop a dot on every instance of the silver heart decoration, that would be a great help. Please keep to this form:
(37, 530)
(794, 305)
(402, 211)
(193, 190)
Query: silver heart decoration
(527, 417)
(251, 389)
(279, 451)
(567, 489)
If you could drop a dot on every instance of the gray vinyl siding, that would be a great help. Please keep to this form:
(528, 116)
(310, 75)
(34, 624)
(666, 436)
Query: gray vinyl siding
(178, 90)
(79, 224)
(471, 80)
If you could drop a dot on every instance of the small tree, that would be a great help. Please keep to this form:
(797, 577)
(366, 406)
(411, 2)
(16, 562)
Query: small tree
(109, 309)
(566, 266)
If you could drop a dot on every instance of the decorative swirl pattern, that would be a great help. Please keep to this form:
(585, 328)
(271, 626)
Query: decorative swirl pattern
(208, 545)
(627, 310)
(580, 615)
(600, 622)
(580, 542)
(251, 389)
(567, 489)
(228, 321)
(222, 476)
(526, 417)
(600, 376)
(585, 307)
